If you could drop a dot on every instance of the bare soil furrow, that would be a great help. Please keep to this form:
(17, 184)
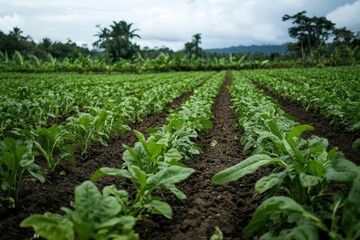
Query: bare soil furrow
(230, 206)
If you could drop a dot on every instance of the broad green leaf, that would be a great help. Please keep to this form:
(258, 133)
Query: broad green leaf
(307, 180)
(141, 138)
(36, 173)
(177, 192)
(269, 181)
(128, 223)
(92, 210)
(243, 168)
(136, 155)
(298, 131)
(50, 226)
(169, 175)
(269, 207)
(140, 176)
(351, 215)
(316, 168)
(341, 169)
(206, 124)
(274, 129)
(108, 223)
(87, 196)
(160, 207)
(304, 231)
(217, 235)
(105, 171)
(356, 144)
(172, 155)
(10, 143)
(154, 149)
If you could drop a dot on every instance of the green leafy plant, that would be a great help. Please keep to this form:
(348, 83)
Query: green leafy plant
(299, 168)
(144, 154)
(54, 138)
(145, 185)
(93, 126)
(302, 170)
(290, 220)
(176, 138)
(17, 167)
(95, 216)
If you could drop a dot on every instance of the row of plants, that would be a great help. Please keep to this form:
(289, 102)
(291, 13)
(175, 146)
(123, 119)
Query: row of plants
(43, 99)
(334, 92)
(311, 192)
(153, 163)
(163, 62)
(22, 149)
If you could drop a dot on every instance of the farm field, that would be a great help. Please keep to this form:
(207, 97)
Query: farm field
(190, 126)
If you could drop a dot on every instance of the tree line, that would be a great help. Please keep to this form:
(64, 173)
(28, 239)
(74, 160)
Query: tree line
(115, 43)
(312, 35)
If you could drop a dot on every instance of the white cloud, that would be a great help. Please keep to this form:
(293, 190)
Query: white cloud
(8, 22)
(347, 16)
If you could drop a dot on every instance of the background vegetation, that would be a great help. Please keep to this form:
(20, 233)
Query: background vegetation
(317, 42)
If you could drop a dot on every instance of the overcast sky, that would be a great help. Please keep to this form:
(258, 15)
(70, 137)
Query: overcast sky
(171, 23)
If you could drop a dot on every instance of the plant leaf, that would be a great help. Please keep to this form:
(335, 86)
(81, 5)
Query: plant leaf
(269, 207)
(341, 169)
(307, 180)
(160, 207)
(217, 235)
(50, 226)
(243, 168)
(169, 175)
(269, 181)
(106, 171)
(356, 144)
(298, 130)
(304, 231)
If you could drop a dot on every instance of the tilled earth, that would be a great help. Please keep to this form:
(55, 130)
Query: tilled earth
(229, 207)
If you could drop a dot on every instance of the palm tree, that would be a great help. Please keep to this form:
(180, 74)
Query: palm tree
(117, 40)
(16, 32)
(46, 44)
(193, 48)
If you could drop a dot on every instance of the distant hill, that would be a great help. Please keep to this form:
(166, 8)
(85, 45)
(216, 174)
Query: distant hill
(267, 49)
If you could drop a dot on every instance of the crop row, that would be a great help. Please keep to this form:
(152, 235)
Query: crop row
(152, 163)
(42, 99)
(299, 202)
(334, 92)
(22, 149)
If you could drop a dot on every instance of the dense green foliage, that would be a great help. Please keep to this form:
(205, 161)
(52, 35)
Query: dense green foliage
(46, 115)
(151, 164)
(334, 92)
(116, 51)
(299, 203)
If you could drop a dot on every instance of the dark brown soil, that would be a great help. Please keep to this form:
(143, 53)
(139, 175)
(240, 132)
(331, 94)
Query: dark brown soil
(337, 135)
(229, 207)
(58, 190)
